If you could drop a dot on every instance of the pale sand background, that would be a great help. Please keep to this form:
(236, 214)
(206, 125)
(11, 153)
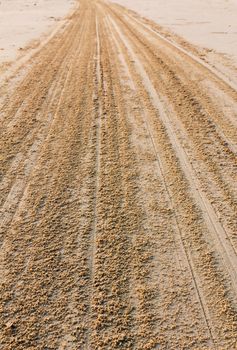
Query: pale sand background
(207, 23)
(22, 21)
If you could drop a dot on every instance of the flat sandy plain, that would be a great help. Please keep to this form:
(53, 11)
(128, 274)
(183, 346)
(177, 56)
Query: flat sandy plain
(118, 190)
(24, 23)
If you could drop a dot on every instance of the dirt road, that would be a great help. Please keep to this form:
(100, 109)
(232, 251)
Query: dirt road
(118, 193)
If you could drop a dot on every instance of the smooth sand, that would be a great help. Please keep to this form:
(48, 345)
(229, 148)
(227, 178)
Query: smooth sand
(24, 21)
(211, 23)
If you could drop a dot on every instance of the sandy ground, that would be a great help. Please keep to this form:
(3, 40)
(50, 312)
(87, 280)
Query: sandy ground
(118, 191)
(208, 23)
(24, 21)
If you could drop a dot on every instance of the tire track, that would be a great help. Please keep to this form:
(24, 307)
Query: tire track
(215, 73)
(29, 104)
(212, 219)
(98, 112)
(43, 121)
(55, 227)
(171, 137)
(160, 172)
(18, 189)
(114, 240)
(111, 309)
(180, 74)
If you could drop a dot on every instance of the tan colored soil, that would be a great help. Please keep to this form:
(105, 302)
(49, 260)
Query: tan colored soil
(118, 193)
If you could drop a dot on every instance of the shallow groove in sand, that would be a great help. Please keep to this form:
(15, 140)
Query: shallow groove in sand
(113, 238)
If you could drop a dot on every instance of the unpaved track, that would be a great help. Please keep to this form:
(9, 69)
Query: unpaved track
(118, 194)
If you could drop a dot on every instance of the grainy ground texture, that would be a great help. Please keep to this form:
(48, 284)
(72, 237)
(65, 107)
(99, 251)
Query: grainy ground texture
(118, 193)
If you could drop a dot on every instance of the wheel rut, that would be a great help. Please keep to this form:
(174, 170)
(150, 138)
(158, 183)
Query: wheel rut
(118, 196)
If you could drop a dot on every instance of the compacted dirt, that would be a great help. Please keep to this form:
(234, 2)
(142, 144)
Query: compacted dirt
(118, 193)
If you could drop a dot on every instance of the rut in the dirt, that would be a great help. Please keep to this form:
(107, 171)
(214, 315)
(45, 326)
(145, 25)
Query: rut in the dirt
(118, 194)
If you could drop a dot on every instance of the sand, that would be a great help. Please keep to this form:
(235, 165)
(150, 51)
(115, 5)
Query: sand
(24, 21)
(211, 24)
(118, 200)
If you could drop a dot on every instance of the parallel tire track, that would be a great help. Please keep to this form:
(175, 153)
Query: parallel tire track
(161, 173)
(118, 197)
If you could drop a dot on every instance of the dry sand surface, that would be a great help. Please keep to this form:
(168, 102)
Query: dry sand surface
(208, 23)
(23, 21)
(118, 193)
